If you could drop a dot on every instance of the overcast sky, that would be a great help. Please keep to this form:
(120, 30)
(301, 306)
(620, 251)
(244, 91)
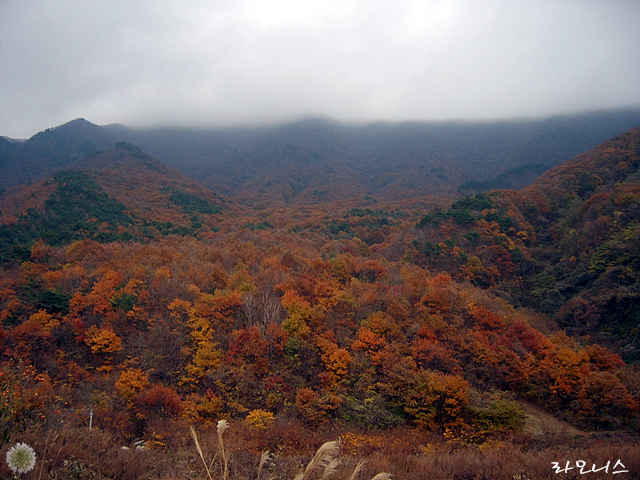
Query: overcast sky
(237, 62)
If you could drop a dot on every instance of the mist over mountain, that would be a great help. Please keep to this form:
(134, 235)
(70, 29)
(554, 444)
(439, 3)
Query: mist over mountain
(316, 160)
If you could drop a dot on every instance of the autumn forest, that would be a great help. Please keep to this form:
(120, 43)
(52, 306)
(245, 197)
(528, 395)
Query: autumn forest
(378, 289)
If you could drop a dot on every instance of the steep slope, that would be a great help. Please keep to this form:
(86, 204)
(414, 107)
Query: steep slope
(586, 213)
(120, 193)
(567, 245)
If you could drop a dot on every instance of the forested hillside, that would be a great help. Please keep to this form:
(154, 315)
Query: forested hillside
(566, 246)
(136, 294)
(118, 194)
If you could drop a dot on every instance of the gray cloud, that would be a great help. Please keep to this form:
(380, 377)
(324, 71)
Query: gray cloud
(229, 62)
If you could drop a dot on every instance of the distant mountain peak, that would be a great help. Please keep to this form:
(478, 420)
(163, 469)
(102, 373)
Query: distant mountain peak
(79, 124)
(77, 121)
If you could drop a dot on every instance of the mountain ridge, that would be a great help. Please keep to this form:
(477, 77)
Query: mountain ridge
(313, 161)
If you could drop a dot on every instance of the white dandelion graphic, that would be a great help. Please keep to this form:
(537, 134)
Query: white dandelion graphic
(21, 458)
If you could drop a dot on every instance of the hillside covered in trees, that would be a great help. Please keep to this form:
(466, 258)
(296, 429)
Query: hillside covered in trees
(566, 246)
(132, 292)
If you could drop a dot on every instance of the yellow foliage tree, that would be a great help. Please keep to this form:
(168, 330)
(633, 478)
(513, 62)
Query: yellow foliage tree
(103, 340)
(298, 314)
(203, 350)
(131, 382)
(259, 419)
(45, 319)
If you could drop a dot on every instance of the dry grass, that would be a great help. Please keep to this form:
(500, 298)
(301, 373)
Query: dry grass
(173, 451)
(539, 422)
